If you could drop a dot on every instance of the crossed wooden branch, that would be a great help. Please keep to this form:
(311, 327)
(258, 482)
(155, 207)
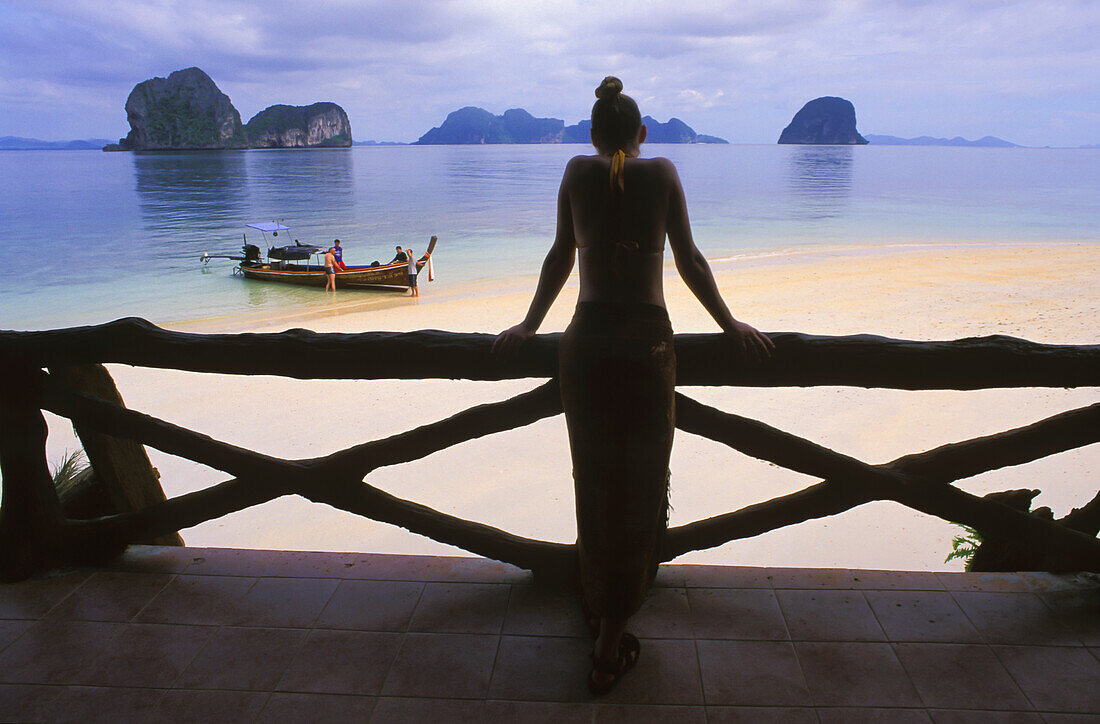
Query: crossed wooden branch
(34, 534)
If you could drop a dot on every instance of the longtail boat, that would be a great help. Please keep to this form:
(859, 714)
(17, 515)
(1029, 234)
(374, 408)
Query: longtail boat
(304, 264)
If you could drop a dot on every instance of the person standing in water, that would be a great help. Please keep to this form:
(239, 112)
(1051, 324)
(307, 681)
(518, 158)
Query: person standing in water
(413, 291)
(617, 367)
(330, 269)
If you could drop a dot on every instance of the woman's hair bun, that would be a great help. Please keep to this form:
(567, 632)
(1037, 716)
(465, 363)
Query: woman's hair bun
(610, 88)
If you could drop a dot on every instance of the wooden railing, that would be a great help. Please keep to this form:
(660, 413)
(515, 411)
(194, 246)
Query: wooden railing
(38, 374)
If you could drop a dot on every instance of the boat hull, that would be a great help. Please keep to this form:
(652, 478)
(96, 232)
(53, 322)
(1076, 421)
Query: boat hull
(391, 276)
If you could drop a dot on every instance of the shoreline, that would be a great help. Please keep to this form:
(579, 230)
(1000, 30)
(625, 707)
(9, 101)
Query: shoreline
(1041, 292)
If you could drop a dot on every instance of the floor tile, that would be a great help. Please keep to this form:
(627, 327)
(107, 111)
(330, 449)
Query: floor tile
(28, 702)
(871, 580)
(111, 596)
(649, 714)
(401, 710)
(154, 559)
(434, 568)
(745, 614)
(1015, 618)
(539, 712)
(667, 672)
(371, 605)
(55, 652)
(760, 715)
(963, 716)
(665, 613)
(316, 708)
(202, 707)
(150, 655)
(341, 662)
(242, 658)
(197, 600)
(1078, 610)
(278, 564)
(461, 608)
(921, 616)
(1054, 678)
(844, 715)
(855, 674)
(34, 597)
(1003, 582)
(109, 705)
(960, 676)
(442, 665)
(751, 673)
(538, 611)
(11, 629)
(828, 615)
(535, 668)
(696, 576)
(812, 578)
(288, 602)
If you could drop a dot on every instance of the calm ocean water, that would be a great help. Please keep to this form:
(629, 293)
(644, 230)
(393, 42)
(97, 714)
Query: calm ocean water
(95, 236)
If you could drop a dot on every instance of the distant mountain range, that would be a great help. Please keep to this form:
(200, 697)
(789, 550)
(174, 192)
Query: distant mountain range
(988, 141)
(16, 143)
(472, 125)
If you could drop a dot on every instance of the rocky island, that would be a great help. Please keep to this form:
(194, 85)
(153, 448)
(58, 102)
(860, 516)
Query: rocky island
(472, 125)
(827, 121)
(187, 111)
(314, 126)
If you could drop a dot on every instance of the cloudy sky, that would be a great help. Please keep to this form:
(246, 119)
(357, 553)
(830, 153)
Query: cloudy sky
(1026, 71)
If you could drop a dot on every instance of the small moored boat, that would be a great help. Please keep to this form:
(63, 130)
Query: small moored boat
(303, 264)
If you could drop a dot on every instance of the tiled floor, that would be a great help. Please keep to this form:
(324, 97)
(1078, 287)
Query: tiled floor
(227, 635)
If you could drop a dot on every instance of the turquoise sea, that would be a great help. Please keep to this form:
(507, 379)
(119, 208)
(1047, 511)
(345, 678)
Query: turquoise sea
(94, 236)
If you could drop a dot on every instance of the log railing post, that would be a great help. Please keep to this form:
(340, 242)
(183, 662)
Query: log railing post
(122, 466)
(30, 512)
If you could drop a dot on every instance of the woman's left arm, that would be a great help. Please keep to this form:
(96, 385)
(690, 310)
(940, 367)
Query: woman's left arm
(555, 270)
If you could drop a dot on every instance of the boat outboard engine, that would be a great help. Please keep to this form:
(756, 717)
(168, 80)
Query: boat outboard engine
(251, 253)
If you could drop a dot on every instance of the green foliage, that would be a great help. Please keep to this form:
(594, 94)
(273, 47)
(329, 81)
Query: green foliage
(965, 546)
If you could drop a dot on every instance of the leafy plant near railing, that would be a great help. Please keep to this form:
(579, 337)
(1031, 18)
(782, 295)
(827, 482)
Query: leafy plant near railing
(963, 547)
(67, 471)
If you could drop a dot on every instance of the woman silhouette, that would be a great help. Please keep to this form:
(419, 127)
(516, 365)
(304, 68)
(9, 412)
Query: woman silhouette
(617, 367)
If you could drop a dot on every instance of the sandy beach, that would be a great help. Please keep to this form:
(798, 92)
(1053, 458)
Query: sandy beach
(520, 480)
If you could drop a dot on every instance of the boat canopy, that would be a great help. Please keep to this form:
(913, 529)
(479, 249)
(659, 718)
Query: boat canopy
(268, 226)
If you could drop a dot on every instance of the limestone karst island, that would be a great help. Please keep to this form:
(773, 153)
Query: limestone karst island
(827, 120)
(471, 125)
(187, 111)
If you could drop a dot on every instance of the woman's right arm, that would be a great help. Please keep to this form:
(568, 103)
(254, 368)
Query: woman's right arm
(696, 273)
(555, 270)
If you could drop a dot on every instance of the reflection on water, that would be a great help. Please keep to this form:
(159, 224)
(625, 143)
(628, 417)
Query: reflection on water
(180, 191)
(820, 180)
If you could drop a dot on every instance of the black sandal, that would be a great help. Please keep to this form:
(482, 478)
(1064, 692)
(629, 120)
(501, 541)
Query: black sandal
(629, 651)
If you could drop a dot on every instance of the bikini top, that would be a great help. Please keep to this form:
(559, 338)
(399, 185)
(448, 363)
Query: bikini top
(615, 214)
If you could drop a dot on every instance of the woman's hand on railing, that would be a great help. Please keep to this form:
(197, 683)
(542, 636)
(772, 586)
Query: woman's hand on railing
(508, 342)
(749, 343)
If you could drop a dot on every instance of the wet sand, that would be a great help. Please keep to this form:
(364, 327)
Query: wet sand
(520, 480)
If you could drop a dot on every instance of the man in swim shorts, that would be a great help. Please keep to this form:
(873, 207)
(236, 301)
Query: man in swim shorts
(413, 291)
(330, 271)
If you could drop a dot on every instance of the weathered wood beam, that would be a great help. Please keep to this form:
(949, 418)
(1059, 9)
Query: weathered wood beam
(122, 466)
(702, 359)
(1070, 550)
(314, 479)
(30, 512)
(542, 557)
(1061, 432)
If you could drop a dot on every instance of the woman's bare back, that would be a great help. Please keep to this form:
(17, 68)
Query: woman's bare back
(620, 245)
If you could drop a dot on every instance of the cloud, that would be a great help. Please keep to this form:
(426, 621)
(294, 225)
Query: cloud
(738, 70)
